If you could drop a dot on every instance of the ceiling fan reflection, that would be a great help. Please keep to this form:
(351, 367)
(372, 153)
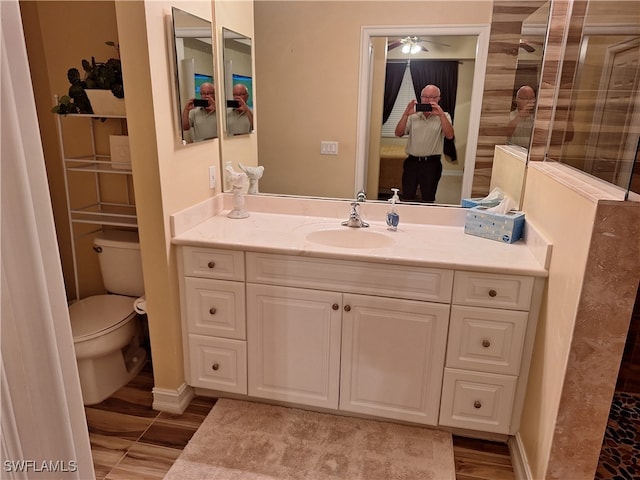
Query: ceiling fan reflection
(412, 44)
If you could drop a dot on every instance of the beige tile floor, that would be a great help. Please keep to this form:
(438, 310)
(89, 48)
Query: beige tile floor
(131, 441)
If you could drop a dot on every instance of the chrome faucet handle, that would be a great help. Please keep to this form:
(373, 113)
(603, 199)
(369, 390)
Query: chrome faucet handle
(361, 196)
(354, 218)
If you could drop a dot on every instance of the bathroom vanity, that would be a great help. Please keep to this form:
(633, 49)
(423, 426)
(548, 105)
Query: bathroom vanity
(424, 325)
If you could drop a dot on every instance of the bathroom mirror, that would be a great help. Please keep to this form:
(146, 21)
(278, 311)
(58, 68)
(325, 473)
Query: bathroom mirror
(193, 46)
(308, 59)
(238, 83)
(527, 78)
(596, 127)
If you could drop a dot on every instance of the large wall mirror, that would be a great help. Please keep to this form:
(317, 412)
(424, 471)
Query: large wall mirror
(238, 82)
(310, 63)
(192, 38)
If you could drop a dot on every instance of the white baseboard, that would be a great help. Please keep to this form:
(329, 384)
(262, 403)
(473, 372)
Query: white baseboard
(172, 401)
(521, 468)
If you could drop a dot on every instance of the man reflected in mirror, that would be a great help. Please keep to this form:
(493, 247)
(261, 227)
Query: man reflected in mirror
(521, 119)
(427, 126)
(240, 118)
(201, 120)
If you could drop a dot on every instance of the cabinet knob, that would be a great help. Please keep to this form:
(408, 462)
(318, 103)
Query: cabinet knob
(347, 308)
(211, 264)
(212, 310)
(335, 306)
(486, 343)
(477, 404)
(492, 293)
(215, 366)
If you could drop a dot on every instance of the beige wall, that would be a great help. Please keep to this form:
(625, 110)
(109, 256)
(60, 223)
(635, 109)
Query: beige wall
(590, 292)
(310, 94)
(565, 218)
(168, 176)
(52, 50)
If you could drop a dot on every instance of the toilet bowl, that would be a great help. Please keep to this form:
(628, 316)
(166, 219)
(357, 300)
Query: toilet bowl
(107, 341)
(107, 332)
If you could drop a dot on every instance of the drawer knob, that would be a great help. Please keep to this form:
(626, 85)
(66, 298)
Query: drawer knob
(215, 366)
(335, 306)
(211, 264)
(492, 293)
(212, 310)
(486, 343)
(477, 404)
(347, 308)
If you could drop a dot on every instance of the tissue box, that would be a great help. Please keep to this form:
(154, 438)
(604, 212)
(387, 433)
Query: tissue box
(474, 202)
(503, 227)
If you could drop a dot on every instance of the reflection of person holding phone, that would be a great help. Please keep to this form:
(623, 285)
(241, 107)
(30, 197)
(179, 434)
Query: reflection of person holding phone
(427, 126)
(521, 119)
(239, 116)
(199, 115)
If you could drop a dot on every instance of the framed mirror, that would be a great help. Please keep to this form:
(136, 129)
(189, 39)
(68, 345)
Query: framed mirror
(193, 45)
(309, 58)
(238, 83)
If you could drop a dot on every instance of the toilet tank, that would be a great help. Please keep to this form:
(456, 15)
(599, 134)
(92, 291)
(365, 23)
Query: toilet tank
(120, 262)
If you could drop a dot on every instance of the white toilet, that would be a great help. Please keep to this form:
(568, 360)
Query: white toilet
(106, 330)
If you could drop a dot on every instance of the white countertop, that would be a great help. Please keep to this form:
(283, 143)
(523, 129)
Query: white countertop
(440, 246)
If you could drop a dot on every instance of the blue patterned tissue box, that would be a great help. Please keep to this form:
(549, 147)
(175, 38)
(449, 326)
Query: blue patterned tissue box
(502, 227)
(474, 202)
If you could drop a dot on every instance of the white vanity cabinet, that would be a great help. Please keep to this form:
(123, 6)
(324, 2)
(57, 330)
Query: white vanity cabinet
(392, 355)
(485, 350)
(433, 346)
(213, 297)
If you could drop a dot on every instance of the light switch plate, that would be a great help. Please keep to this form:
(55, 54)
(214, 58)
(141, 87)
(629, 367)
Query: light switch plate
(212, 176)
(328, 148)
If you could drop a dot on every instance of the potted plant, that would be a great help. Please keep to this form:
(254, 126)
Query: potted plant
(102, 82)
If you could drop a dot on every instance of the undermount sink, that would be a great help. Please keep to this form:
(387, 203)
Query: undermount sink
(347, 237)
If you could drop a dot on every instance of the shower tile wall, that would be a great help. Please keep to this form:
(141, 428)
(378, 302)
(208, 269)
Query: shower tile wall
(629, 376)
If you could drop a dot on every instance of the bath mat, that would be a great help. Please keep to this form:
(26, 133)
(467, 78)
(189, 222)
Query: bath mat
(244, 440)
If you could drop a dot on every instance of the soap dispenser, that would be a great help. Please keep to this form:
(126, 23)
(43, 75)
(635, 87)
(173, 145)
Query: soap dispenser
(393, 218)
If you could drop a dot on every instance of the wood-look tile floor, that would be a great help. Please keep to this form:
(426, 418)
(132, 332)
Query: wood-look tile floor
(131, 441)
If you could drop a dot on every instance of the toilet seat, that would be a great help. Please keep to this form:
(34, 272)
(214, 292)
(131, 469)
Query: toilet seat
(98, 315)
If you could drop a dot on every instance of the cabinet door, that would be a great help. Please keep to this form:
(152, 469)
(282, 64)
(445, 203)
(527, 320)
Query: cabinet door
(293, 338)
(393, 357)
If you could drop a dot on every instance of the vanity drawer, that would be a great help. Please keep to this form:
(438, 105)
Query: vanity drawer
(486, 339)
(213, 263)
(477, 401)
(492, 290)
(417, 283)
(218, 364)
(215, 307)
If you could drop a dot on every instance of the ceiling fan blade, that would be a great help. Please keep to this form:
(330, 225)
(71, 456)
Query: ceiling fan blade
(435, 43)
(526, 47)
(394, 44)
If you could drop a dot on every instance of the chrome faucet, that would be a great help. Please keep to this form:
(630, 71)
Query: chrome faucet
(354, 218)
(361, 196)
